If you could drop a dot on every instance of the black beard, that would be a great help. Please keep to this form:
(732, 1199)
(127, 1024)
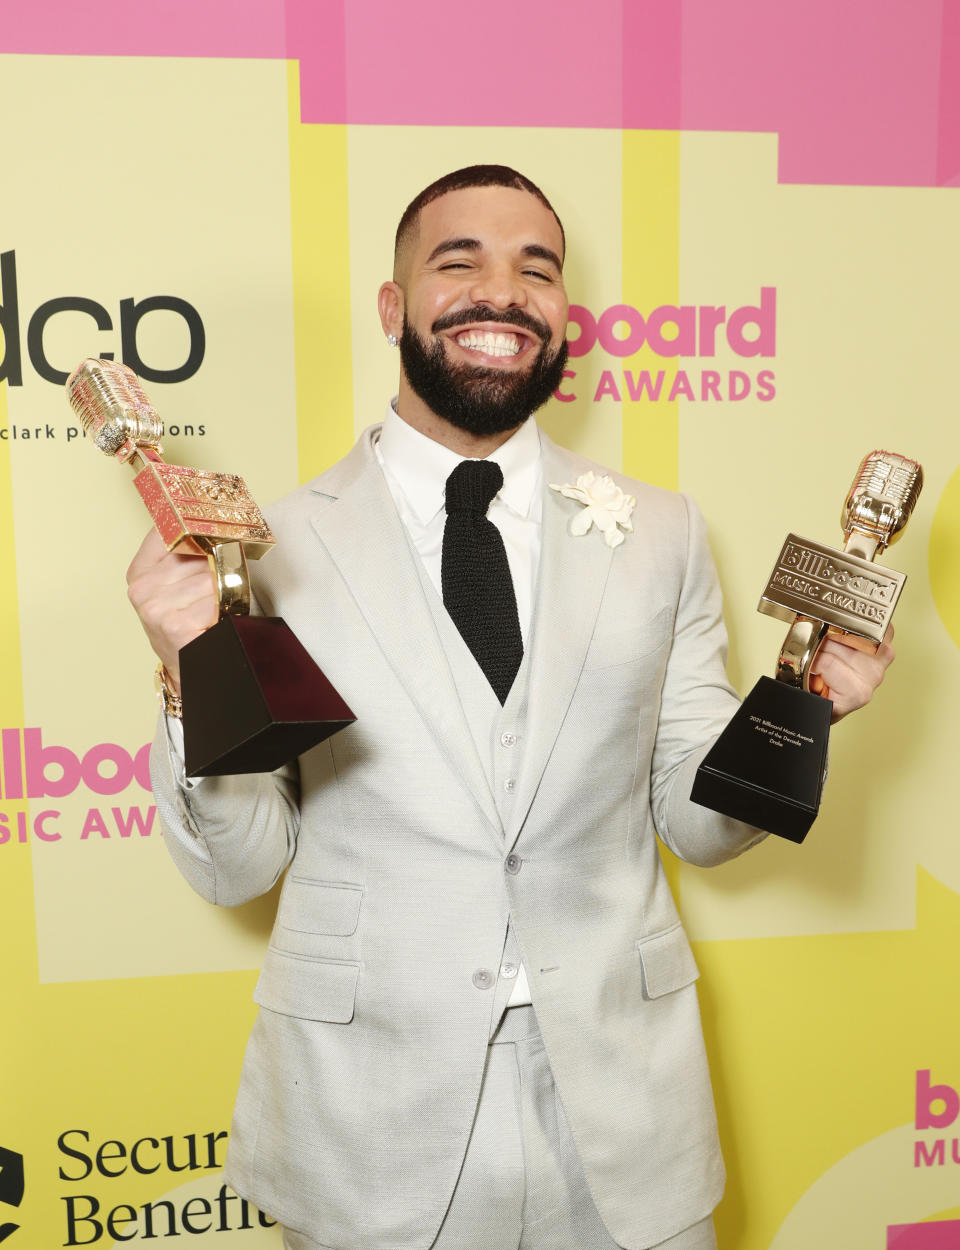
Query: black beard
(476, 398)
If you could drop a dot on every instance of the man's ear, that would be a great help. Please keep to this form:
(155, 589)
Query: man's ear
(390, 305)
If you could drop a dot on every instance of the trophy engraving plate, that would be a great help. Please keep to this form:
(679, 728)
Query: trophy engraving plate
(836, 587)
(188, 503)
(767, 767)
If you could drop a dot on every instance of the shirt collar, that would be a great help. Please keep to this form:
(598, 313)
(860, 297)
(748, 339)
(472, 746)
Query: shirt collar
(420, 466)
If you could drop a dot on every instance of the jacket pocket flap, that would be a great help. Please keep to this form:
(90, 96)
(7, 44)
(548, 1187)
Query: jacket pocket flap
(312, 989)
(623, 646)
(667, 962)
(323, 907)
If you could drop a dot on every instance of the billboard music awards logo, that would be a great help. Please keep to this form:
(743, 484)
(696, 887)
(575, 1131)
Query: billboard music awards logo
(672, 331)
(33, 769)
(936, 1108)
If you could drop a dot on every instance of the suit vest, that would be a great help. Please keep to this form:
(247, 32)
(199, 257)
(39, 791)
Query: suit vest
(499, 737)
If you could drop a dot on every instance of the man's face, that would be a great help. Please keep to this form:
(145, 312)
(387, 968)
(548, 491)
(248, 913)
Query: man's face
(483, 341)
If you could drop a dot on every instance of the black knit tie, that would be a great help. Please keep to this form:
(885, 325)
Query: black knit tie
(477, 587)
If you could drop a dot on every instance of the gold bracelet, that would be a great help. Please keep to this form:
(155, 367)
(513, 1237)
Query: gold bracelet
(170, 701)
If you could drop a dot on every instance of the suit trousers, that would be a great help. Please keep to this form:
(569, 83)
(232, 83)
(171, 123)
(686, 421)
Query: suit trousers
(521, 1186)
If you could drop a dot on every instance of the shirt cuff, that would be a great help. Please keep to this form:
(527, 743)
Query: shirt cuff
(178, 767)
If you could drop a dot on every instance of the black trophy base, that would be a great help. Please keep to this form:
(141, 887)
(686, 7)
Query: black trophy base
(253, 699)
(768, 765)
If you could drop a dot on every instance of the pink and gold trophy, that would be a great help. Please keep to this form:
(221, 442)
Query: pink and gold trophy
(253, 698)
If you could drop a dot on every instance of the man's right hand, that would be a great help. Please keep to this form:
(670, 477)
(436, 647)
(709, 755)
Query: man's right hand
(174, 597)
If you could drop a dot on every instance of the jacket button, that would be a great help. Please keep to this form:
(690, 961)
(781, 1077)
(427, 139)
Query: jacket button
(508, 739)
(514, 864)
(482, 979)
(508, 971)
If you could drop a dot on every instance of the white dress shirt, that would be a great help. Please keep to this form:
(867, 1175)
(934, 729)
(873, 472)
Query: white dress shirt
(416, 469)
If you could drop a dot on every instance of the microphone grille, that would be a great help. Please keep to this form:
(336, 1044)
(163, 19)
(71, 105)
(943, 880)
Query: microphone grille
(110, 404)
(883, 495)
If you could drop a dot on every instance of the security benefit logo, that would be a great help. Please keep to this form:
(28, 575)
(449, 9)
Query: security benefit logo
(11, 1188)
(184, 1170)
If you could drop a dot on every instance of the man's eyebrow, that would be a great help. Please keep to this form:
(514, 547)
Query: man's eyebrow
(536, 250)
(454, 245)
(543, 253)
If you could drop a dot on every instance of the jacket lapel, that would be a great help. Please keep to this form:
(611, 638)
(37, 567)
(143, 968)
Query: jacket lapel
(364, 536)
(573, 574)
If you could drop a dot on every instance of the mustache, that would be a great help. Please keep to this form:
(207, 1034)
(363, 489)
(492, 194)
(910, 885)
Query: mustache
(509, 317)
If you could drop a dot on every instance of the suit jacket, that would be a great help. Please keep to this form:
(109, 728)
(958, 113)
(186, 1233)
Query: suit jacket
(364, 1066)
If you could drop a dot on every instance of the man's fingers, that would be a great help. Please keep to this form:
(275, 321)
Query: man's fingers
(174, 597)
(851, 676)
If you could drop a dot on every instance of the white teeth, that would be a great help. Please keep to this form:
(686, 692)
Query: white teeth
(489, 342)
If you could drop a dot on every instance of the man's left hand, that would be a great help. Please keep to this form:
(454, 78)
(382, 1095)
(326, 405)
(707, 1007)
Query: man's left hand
(849, 676)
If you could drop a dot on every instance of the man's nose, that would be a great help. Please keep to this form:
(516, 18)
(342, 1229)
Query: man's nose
(498, 286)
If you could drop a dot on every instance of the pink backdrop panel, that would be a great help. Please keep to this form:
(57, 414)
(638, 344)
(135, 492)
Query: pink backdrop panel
(253, 28)
(853, 89)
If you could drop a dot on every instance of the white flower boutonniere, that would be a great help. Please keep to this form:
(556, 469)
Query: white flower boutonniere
(605, 505)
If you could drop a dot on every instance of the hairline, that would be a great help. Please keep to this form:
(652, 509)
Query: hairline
(408, 234)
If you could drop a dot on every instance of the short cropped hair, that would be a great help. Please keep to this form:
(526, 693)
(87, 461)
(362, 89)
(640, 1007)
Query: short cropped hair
(459, 180)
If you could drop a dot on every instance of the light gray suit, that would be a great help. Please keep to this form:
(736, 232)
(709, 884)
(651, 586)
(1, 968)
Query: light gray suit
(364, 1066)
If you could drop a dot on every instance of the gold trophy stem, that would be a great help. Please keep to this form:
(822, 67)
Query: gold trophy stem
(228, 564)
(799, 650)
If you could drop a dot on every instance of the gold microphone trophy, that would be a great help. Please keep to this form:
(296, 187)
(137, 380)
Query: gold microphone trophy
(253, 698)
(767, 767)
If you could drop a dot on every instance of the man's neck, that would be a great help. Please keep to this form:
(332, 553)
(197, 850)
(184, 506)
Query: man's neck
(412, 410)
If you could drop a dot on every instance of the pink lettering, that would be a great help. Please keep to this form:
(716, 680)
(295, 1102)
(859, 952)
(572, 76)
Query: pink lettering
(12, 764)
(38, 758)
(681, 385)
(710, 384)
(765, 385)
(763, 317)
(738, 385)
(684, 343)
(94, 823)
(134, 819)
(636, 330)
(110, 753)
(928, 1156)
(643, 382)
(927, 1095)
(606, 386)
(710, 320)
(585, 322)
(568, 375)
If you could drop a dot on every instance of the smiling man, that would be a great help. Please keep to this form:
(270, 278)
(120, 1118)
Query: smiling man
(479, 1026)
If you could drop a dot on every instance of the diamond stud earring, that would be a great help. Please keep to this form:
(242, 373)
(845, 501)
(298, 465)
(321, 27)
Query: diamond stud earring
(392, 340)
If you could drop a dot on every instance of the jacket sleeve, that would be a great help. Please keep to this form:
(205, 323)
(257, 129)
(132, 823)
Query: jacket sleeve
(230, 837)
(697, 703)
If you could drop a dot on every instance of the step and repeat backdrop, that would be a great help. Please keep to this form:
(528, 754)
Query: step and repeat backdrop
(761, 204)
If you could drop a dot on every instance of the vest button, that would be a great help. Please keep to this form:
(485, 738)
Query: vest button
(508, 971)
(508, 739)
(482, 979)
(514, 864)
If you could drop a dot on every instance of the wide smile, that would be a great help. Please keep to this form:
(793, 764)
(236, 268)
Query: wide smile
(492, 344)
